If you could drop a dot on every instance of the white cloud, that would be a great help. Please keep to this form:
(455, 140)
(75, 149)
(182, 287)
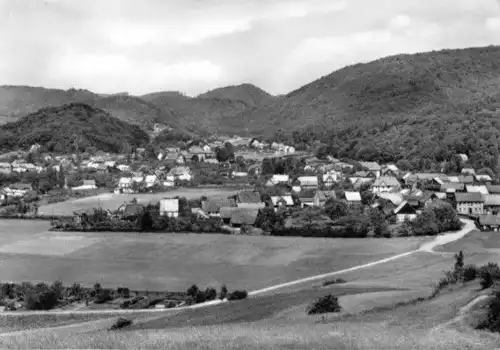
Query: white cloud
(400, 21)
(493, 23)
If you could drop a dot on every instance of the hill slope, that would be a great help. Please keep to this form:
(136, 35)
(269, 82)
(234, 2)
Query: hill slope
(248, 93)
(57, 128)
(396, 106)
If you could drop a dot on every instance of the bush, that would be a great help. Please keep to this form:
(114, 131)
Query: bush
(335, 281)
(120, 323)
(223, 292)
(488, 274)
(469, 273)
(238, 295)
(325, 304)
(492, 322)
(40, 300)
(103, 296)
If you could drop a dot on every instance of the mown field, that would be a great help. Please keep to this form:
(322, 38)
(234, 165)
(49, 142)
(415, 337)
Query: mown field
(175, 261)
(112, 201)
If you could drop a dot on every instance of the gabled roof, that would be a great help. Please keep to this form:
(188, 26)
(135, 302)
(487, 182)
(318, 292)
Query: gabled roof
(214, 205)
(489, 220)
(244, 217)
(391, 167)
(426, 196)
(227, 212)
(133, 210)
(477, 188)
(394, 198)
(457, 186)
(308, 180)
(352, 196)
(389, 181)
(180, 170)
(287, 199)
(404, 205)
(363, 173)
(374, 166)
(469, 197)
(493, 188)
(483, 177)
(248, 197)
(259, 205)
(306, 196)
(492, 200)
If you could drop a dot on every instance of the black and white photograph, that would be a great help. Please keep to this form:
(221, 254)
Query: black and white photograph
(250, 174)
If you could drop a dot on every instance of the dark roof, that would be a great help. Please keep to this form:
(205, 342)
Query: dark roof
(212, 205)
(489, 220)
(460, 186)
(323, 196)
(412, 200)
(227, 212)
(133, 210)
(248, 197)
(466, 179)
(426, 196)
(406, 208)
(242, 217)
(469, 197)
(493, 188)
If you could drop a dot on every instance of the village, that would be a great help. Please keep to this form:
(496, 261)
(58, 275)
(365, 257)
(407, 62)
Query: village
(34, 179)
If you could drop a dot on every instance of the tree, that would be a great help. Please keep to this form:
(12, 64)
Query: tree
(146, 221)
(336, 208)
(326, 304)
(223, 292)
(377, 221)
(192, 291)
(267, 166)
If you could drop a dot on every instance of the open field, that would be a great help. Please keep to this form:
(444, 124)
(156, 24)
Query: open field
(175, 261)
(112, 201)
(475, 242)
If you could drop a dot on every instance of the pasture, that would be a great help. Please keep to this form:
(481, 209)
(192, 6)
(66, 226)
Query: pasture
(112, 201)
(175, 261)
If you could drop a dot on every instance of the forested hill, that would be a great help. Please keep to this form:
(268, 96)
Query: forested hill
(428, 105)
(63, 128)
(248, 93)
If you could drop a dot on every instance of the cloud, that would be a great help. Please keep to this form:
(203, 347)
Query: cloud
(493, 23)
(400, 21)
(118, 73)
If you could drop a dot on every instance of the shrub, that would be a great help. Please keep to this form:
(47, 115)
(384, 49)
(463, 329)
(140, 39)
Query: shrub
(469, 273)
(486, 279)
(335, 281)
(40, 299)
(489, 273)
(120, 323)
(325, 304)
(238, 295)
(103, 296)
(492, 321)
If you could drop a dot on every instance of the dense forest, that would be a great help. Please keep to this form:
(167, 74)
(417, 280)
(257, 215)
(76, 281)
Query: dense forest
(69, 128)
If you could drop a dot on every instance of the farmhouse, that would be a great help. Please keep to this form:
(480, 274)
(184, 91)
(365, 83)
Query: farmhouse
(240, 218)
(169, 207)
(389, 170)
(212, 206)
(405, 211)
(470, 203)
(131, 211)
(352, 198)
(329, 180)
(492, 204)
(373, 167)
(386, 184)
(489, 222)
(476, 188)
(306, 198)
(125, 182)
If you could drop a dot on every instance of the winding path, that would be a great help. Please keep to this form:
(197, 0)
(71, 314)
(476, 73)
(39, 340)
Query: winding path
(426, 247)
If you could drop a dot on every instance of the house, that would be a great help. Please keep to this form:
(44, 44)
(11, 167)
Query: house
(212, 206)
(150, 180)
(405, 211)
(386, 184)
(260, 205)
(329, 180)
(476, 188)
(373, 167)
(389, 170)
(17, 190)
(87, 185)
(125, 182)
(245, 217)
(308, 182)
(453, 187)
(463, 157)
(169, 207)
(453, 179)
(239, 174)
(5, 168)
(168, 183)
(320, 197)
(468, 171)
(394, 198)
(489, 222)
(279, 178)
(306, 198)
(352, 198)
(427, 199)
(492, 204)
(483, 178)
(282, 201)
(248, 197)
(365, 174)
(470, 203)
(180, 173)
(493, 189)
(254, 169)
(131, 211)
(466, 179)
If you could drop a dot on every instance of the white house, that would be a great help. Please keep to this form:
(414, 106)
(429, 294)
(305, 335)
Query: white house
(150, 180)
(5, 168)
(87, 185)
(386, 184)
(477, 188)
(169, 207)
(329, 179)
(123, 167)
(281, 201)
(125, 182)
(279, 178)
(405, 211)
(180, 173)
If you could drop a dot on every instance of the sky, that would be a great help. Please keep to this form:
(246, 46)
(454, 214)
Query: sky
(192, 46)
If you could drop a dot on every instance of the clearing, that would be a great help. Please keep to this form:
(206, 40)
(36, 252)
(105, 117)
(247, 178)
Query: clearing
(112, 201)
(175, 261)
